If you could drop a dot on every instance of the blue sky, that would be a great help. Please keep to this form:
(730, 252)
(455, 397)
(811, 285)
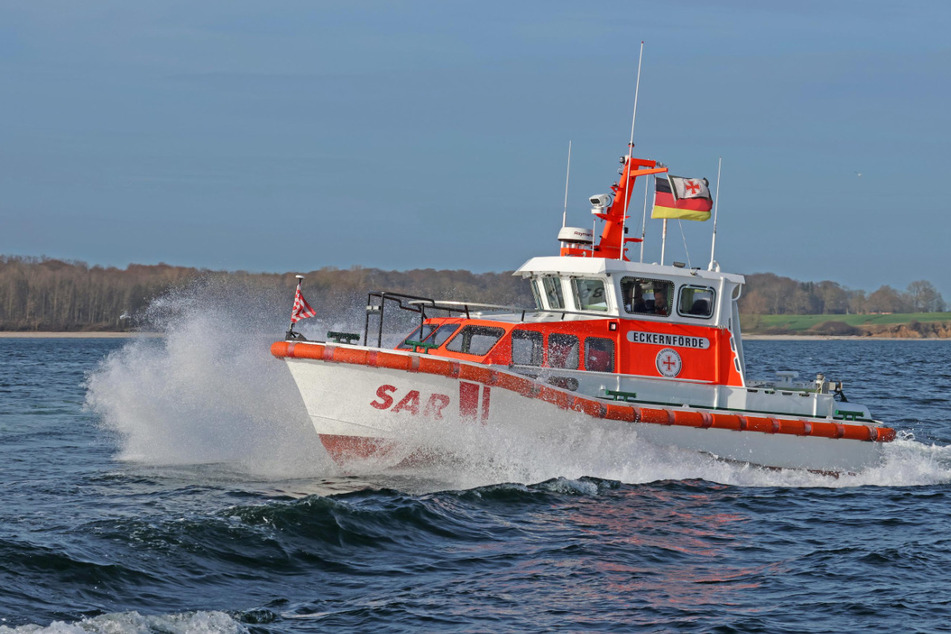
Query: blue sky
(288, 136)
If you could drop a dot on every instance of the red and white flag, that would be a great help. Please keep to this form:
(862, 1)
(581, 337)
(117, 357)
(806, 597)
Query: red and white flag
(682, 198)
(302, 309)
(687, 188)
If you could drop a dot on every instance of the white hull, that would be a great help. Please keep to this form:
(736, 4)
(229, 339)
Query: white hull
(359, 409)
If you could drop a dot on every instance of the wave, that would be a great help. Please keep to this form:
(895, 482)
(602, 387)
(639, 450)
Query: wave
(199, 622)
(344, 561)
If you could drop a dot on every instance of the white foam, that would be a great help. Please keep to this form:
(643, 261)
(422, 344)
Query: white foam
(208, 391)
(133, 622)
(531, 452)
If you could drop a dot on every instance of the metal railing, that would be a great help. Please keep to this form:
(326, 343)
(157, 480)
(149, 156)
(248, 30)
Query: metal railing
(377, 301)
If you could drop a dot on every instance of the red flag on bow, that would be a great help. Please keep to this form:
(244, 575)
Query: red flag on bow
(302, 309)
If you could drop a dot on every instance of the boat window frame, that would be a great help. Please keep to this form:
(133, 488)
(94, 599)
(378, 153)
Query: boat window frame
(432, 328)
(576, 294)
(696, 287)
(450, 331)
(654, 281)
(538, 348)
(555, 288)
(587, 351)
(465, 337)
(575, 350)
(537, 293)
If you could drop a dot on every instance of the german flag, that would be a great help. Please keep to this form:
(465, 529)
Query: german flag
(690, 199)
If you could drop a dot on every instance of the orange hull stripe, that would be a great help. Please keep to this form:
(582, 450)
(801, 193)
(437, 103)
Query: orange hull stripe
(563, 400)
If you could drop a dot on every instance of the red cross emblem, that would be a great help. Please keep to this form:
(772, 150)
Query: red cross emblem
(692, 187)
(668, 362)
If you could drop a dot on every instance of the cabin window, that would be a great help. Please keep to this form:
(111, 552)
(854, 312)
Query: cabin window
(696, 301)
(537, 294)
(527, 347)
(645, 296)
(589, 294)
(563, 351)
(477, 340)
(598, 354)
(432, 333)
(427, 329)
(442, 334)
(552, 287)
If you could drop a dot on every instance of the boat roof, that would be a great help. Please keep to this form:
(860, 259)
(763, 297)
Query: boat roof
(541, 316)
(571, 265)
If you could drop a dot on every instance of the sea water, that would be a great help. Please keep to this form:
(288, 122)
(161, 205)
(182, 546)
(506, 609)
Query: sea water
(174, 484)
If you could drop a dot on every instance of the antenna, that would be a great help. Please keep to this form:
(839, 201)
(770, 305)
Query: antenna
(630, 145)
(594, 230)
(716, 200)
(683, 236)
(564, 215)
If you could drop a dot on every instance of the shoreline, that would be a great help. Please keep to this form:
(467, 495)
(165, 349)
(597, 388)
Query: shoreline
(836, 338)
(17, 334)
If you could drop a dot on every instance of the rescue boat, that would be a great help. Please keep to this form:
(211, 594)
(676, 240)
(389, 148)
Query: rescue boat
(649, 349)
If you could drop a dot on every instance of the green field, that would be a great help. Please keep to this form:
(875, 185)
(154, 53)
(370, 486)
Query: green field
(802, 323)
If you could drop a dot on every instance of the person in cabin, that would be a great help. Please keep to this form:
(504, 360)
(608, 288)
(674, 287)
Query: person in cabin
(660, 301)
(640, 306)
(634, 298)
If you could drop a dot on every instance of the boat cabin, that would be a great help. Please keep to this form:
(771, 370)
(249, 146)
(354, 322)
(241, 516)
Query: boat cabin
(598, 315)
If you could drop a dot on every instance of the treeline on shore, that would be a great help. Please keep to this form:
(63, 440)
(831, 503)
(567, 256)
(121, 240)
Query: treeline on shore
(769, 294)
(44, 294)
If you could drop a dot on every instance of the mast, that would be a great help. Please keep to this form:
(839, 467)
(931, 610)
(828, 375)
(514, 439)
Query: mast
(564, 215)
(612, 236)
(630, 144)
(612, 208)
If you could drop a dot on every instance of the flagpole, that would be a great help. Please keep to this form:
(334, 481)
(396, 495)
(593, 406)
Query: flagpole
(300, 278)
(630, 148)
(663, 243)
(647, 186)
(683, 236)
(716, 200)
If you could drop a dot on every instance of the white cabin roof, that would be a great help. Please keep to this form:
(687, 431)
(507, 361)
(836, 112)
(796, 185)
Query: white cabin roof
(570, 265)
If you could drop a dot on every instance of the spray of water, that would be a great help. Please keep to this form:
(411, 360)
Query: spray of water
(528, 450)
(208, 391)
